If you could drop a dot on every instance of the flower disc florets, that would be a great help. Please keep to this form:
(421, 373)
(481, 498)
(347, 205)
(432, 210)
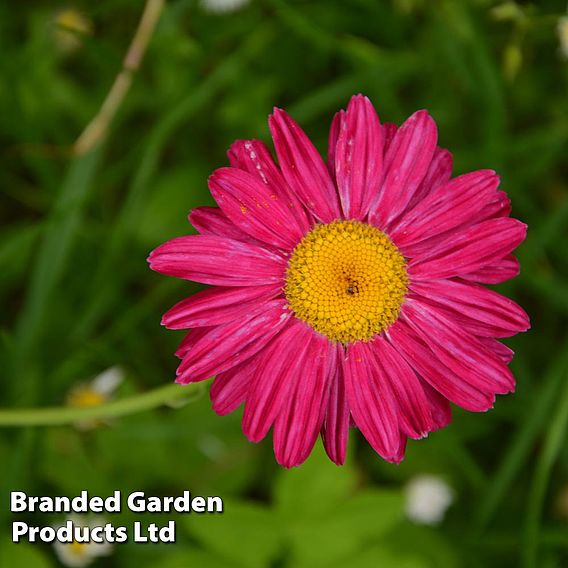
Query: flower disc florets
(347, 280)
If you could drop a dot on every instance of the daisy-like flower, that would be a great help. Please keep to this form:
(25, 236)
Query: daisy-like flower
(347, 294)
(94, 393)
(223, 6)
(80, 554)
(71, 26)
(427, 499)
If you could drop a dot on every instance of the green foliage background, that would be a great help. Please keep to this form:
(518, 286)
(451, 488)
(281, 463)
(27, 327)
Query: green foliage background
(77, 297)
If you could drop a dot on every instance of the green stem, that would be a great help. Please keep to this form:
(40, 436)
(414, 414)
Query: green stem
(68, 415)
(552, 447)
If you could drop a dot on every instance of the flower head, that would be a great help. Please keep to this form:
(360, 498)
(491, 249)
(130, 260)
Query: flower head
(223, 6)
(78, 554)
(348, 293)
(71, 26)
(93, 393)
(427, 499)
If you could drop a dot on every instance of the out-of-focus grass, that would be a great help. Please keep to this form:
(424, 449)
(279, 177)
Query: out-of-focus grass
(77, 297)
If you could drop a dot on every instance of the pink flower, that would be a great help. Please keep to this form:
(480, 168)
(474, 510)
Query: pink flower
(348, 294)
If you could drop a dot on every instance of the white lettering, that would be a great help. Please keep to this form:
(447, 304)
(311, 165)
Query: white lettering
(18, 502)
(198, 504)
(19, 529)
(214, 505)
(138, 537)
(136, 502)
(112, 504)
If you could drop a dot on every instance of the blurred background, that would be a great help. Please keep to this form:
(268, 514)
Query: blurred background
(80, 310)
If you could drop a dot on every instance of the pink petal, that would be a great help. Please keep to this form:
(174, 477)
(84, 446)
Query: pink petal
(389, 130)
(280, 365)
(226, 346)
(457, 349)
(211, 221)
(470, 249)
(335, 428)
(477, 309)
(447, 207)
(218, 305)
(406, 162)
(460, 390)
(372, 403)
(359, 158)
(303, 167)
(334, 130)
(401, 450)
(413, 405)
(439, 172)
(190, 339)
(498, 349)
(255, 207)
(499, 206)
(439, 407)
(496, 272)
(218, 261)
(229, 389)
(298, 423)
(254, 157)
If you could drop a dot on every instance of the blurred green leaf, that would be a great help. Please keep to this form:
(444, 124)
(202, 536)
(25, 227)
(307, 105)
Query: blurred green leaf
(315, 489)
(429, 544)
(245, 533)
(60, 232)
(23, 555)
(189, 557)
(340, 534)
(381, 556)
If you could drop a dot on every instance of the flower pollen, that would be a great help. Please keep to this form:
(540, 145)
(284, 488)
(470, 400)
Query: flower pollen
(347, 280)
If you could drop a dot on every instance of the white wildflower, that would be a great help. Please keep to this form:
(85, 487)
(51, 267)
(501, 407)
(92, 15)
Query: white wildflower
(80, 554)
(427, 499)
(94, 393)
(223, 6)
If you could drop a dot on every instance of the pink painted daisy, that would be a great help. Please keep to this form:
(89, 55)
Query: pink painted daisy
(348, 294)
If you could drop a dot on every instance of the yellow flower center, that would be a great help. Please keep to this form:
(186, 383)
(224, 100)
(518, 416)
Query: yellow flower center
(78, 548)
(347, 280)
(84, 396)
